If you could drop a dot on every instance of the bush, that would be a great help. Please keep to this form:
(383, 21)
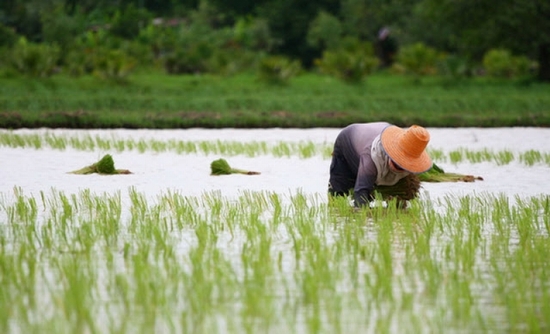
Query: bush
(454, 68)
(113, 65)
(254, 34)
(36, 60)
(8, 37)
(230, 61)
(127, 23)
(351, 63)
(277, 69)
(324, 31)
(418, 60)
(192, 48)
(61, 29)
(500, 63)
(188, 60)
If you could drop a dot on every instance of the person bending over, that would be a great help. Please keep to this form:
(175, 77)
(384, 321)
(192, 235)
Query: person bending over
(368, 156)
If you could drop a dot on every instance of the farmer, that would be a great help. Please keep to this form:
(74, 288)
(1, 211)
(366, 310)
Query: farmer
(368, 155)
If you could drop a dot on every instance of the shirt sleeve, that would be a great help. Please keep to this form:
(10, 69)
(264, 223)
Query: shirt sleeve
(365, 183)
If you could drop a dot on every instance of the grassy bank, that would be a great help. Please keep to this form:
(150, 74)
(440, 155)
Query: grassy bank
(160, 101)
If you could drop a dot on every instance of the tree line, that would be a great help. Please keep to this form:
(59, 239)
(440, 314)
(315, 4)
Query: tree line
(189, 36)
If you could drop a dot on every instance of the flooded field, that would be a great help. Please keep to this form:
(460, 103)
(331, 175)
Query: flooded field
(171, 248)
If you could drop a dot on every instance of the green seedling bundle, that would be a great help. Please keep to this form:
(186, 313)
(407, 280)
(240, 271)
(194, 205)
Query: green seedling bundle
(105, 166)
(222, 167)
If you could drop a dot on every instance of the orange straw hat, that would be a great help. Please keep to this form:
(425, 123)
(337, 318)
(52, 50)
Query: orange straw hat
(407, 147)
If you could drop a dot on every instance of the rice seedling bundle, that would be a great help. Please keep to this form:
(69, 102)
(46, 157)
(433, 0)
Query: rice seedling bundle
(407, 188)
(222, 167)
(104, 166)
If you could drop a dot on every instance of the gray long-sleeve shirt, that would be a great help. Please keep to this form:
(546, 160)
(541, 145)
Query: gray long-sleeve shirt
(354, 144)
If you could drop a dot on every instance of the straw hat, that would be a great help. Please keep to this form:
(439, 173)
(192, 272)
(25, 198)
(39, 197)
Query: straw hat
(407, 147)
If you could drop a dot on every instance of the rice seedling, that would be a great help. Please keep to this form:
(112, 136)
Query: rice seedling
(270, 262)
(531, 157)
(301, 149)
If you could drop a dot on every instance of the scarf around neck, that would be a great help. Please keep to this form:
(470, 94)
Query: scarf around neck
(385, 175)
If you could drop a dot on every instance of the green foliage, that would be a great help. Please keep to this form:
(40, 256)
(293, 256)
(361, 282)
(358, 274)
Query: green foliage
(106, 165)
(352, 63)
(189, 59)
(454, 67)
(500, 63)
(192, 47)
(62, 29)
(325, 31)
(155, 100)
(229, 61)
(105, 63)
(113, 65)
(8, 36)
(418, 59)
(277, 69)
(254, 34)
(220, 167)
(128, 22)
(36, 60)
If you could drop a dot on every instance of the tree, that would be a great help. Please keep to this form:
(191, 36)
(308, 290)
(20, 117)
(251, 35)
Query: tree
(289, 21)
(472, 27)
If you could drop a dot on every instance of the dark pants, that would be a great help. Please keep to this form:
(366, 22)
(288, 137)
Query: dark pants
(342, 179)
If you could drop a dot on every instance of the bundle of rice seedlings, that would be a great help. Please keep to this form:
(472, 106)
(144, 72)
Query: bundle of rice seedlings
(437, 174)
(221, 167)
(104, 166)
(406, 189)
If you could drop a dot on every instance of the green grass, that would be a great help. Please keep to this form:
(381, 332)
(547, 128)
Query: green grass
(267, 262)
(160, 101)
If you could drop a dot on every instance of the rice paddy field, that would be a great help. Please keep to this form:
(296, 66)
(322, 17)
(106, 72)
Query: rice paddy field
(173, 249)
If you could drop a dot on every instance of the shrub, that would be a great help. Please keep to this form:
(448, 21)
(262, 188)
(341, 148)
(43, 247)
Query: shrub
(254, 34)
(454, 68)
(8, 37)
(37, 60)
(113, 65)
(500, 63)
(350, 63)
(418, 59)
(324, 31)
(193, 46)
(277, 69)
(127, 23)
(158, 38)
(230, 61)
(60, 28)
(189, 59)
(81, 56)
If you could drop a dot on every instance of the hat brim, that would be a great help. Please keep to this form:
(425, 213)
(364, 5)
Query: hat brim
(390, 142)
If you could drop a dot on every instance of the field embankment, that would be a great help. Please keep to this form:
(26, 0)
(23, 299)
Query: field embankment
(160, 101)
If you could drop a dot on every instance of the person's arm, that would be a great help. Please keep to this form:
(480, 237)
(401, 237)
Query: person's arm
(363, 191)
